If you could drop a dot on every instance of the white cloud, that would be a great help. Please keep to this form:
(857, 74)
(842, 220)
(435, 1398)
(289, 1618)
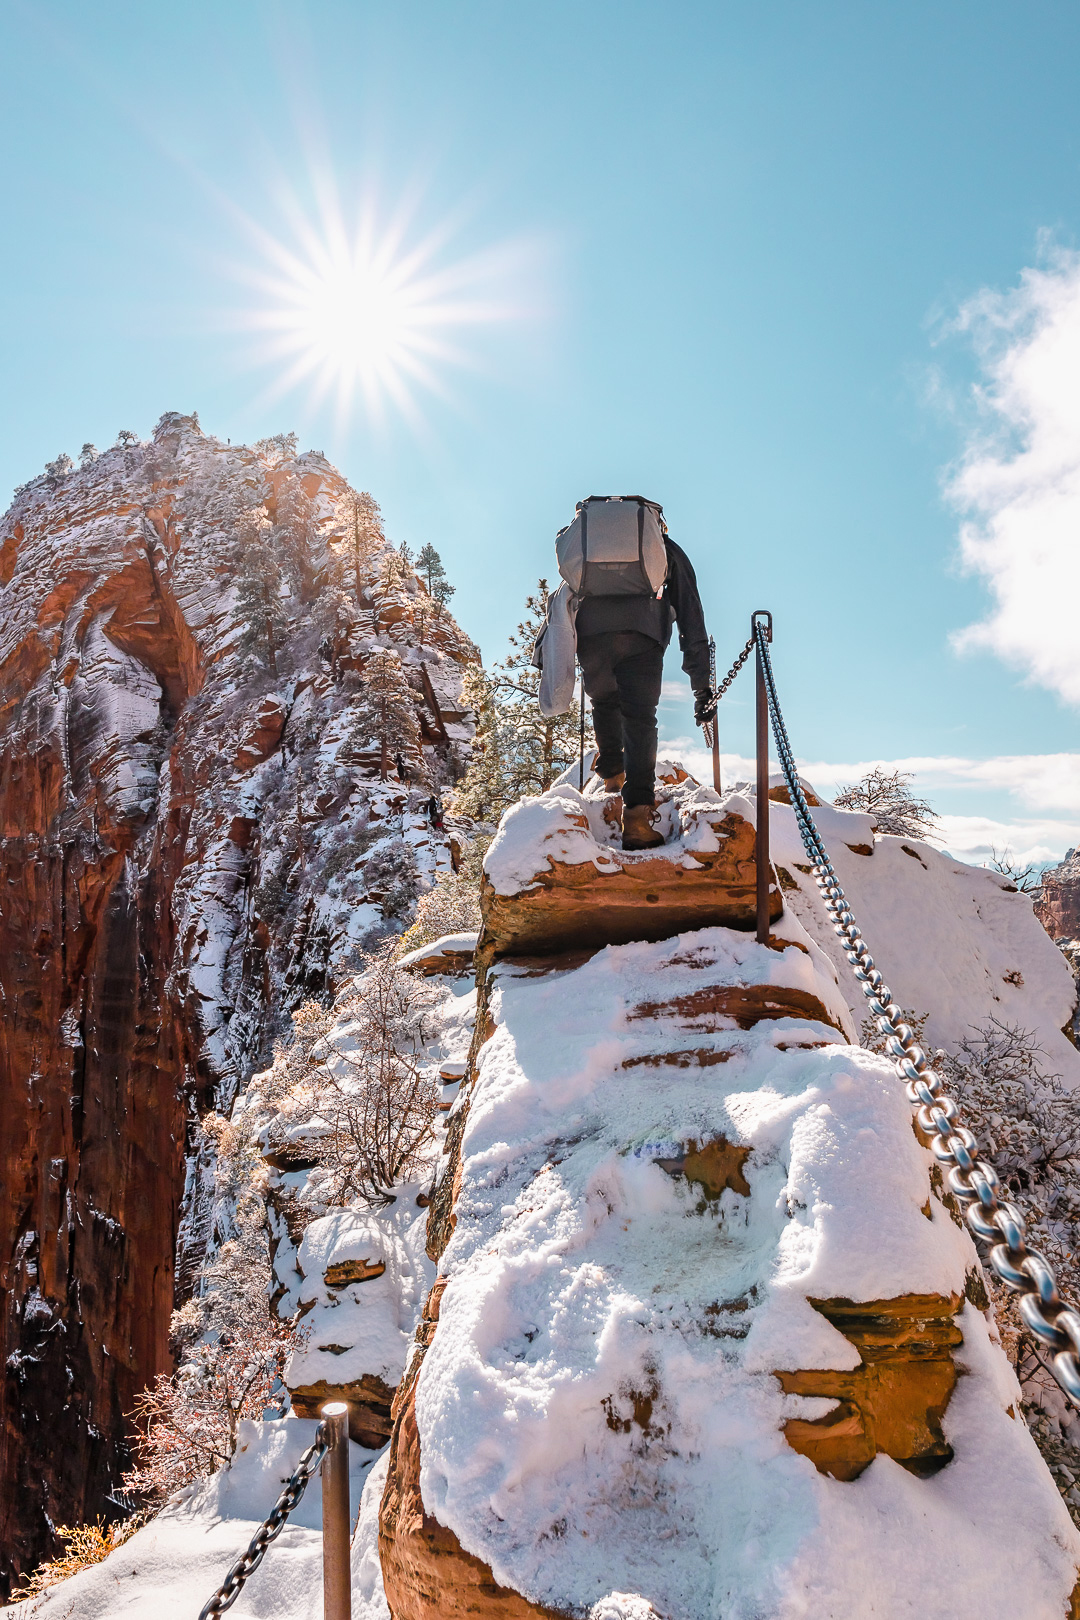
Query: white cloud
(1039, 783)
(1019, 482)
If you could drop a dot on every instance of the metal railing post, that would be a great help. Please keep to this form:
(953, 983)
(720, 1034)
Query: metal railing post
(761, 842)
(337, 1577)
(715, 723)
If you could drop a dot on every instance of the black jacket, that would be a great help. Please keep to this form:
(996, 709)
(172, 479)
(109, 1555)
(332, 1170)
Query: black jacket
(680, 604)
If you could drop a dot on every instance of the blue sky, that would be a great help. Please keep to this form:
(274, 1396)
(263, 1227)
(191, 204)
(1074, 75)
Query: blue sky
(717, 252)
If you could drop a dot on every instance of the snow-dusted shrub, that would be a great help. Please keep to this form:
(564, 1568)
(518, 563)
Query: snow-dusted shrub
(376, 1094)
(231, 1349)
(887, 797)
(356, 1073)
(453, 905)
(1028, 1126)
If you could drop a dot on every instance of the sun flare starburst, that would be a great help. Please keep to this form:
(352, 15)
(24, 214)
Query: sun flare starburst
(368, 314)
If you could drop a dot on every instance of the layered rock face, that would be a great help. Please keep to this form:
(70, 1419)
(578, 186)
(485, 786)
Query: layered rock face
(1058, 904)
(191, 842)
(706, 1338)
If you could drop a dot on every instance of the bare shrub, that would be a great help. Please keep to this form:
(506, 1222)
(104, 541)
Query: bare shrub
(85, 1544)
(1027, 1125)
(356, 1074)
(1027, 878)
(230, 1347)
(886, 796)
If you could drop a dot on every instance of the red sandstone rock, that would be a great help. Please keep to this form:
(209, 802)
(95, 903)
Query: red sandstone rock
(140, 942)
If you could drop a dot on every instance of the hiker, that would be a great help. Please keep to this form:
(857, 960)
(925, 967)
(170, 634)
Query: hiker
(435, 813)
(403, 772)
(626, 583)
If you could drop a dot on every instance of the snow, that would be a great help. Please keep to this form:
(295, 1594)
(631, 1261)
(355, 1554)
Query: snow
(954, 941)
(446, 944)
(581, 1273)
(566, 825)
(173, 1565)
(369, 1323)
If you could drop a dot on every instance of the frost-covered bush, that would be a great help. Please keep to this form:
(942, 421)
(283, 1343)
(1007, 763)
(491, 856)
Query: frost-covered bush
(356, 1074)
(887, 797)
(1028, 1126)
(453, 905)
(231, 1349)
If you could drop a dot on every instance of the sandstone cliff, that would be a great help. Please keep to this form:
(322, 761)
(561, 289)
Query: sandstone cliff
(1058, 903)
(191, 842)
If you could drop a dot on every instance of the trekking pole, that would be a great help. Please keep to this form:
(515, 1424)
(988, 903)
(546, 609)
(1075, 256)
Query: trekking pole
(762, 632)
(581, 738)
(714, 725)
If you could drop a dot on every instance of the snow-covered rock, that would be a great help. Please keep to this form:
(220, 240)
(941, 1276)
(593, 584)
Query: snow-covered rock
(669, 1225)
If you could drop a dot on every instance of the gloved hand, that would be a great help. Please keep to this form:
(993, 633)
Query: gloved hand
(702, 700)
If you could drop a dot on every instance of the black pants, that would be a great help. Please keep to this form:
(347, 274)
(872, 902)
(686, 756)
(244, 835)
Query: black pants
(623, 673)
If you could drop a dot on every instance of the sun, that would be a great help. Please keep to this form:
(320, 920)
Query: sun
(372, 313)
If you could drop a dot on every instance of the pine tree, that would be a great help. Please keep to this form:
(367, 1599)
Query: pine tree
(385, 711)
(483, 793)
(430, 565)
(540, 748)
(359, 516)
(517, 750)
(294, 535)
(259, 589)
(88, 455)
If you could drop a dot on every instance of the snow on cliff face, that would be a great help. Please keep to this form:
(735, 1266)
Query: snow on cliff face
(193, 840)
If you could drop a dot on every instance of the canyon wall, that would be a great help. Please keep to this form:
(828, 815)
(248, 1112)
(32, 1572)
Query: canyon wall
(191, 842)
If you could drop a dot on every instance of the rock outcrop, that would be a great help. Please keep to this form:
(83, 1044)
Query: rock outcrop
(190, 844)
(661, 1350)
(557, 878)
(1058, 904)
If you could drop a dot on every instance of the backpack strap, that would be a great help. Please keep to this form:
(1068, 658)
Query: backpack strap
(584, 544)
(641, 536)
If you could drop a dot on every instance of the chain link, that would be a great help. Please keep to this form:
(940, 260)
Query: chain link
(971, 1180)
(271, 1527)
(708, 718)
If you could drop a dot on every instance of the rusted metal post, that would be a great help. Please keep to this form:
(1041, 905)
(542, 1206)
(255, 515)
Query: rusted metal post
(337, 1578)
(581, 738)
(761, 845)
(715, 722)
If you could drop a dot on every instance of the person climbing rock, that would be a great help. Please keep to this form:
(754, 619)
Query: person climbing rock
(403, 771)
(627, 584)
(435, 813)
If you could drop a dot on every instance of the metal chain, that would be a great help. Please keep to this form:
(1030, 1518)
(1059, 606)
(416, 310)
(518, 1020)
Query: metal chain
(710, 710)
(971, 1180)
(250, 1559)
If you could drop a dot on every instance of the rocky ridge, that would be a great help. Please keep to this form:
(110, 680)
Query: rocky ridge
(192, 841)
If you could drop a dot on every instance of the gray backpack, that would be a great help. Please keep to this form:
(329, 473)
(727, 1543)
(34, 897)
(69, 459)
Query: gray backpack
(614, 547)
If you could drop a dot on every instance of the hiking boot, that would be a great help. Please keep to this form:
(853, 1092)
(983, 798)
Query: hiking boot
(638, 830)
(613, 784)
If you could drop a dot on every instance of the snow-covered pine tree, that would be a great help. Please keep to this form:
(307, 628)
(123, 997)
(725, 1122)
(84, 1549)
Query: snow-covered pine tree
(385, 710)
(359, 517)
(517, 750)
(294, 535)
(483, 793)
(258, 589)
